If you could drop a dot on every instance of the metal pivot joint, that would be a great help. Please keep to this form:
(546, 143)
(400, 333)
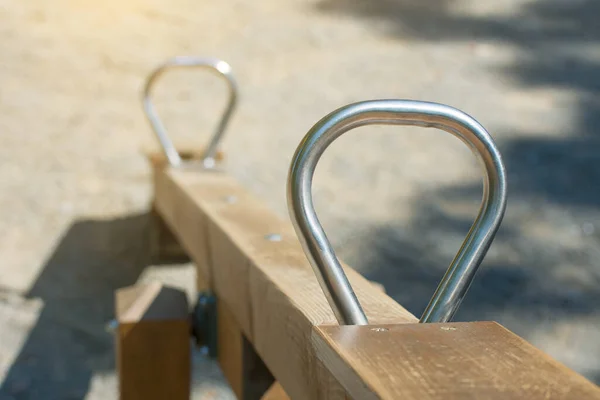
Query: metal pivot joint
(224, 70)
(204, 323)
(460, 273)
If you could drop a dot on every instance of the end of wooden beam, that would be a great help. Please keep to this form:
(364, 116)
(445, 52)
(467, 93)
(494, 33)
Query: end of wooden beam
(153, 343)
(481, 360)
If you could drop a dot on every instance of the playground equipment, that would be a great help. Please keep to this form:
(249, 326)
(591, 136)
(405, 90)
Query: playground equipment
(281, 329)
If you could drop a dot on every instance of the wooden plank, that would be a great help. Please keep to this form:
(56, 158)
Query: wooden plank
(153, 343)
(273, 297)
(268, 285)
(475, 360)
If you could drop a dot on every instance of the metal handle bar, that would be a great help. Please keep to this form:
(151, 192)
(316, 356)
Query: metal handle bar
(214, 64)
(460, 273)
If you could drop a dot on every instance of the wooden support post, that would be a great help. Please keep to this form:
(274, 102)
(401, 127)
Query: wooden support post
(153, 343)
(243, 368)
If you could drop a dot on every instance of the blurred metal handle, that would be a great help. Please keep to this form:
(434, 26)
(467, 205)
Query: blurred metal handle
(319, 252)
(214, 64)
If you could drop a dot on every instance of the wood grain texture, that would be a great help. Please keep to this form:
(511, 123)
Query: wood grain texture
(181, 215)
(153, 343)
(193, 240)
(257, 377)
(230, 349)
(243, 368)
(269, 286)
(478, 360)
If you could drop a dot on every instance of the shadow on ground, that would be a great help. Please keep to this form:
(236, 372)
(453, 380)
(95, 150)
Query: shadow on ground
(519, 276)
(69, 341)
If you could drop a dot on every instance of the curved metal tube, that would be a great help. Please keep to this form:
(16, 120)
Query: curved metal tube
(217, 65)
(319, 252)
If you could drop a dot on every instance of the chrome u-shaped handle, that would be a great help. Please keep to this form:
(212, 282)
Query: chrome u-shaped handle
(214, 64)
(460, 273)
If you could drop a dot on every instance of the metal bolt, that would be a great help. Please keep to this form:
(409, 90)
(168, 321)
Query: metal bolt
(273, 237)
(230, 199)
(379, 329)
(112, 326)
(209, 163)
(447, 328)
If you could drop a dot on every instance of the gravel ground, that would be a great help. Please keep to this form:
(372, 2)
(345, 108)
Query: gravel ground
(396, 201)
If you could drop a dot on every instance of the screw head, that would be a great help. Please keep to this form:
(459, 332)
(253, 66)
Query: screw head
(447, 328)
(230, 199)
(273, 237)
(380, 329)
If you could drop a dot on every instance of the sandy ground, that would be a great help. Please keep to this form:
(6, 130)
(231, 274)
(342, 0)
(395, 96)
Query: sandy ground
(396, 201)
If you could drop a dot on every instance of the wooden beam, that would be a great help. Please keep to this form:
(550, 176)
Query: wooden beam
(173, 207)
(478, 360)
(275, 302)
(268, 286)
(162, 239)
(153, 343)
